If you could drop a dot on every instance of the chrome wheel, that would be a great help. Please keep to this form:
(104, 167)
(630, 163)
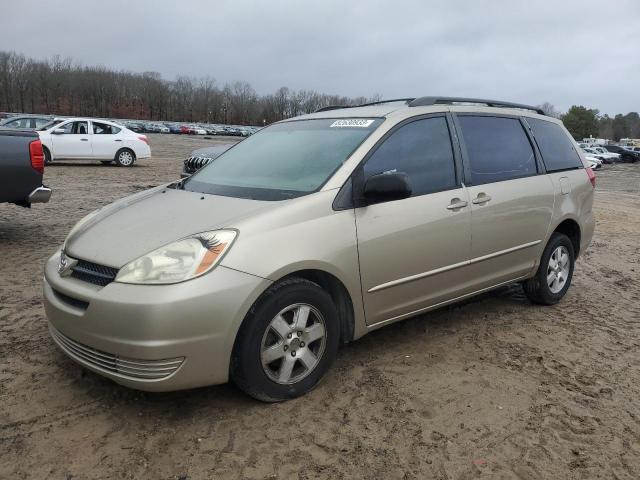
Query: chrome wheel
(125, 158)
(293, 343)
(558, 269)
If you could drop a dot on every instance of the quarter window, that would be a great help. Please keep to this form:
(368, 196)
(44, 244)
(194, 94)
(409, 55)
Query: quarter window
(558, 152)
(421, 149)
(498, 149)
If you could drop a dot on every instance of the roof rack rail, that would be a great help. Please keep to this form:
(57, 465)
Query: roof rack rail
(379, 102)
(425, 101)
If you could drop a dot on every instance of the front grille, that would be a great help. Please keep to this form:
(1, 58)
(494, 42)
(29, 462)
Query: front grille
(74, 302)
(131, 368)
(93, 273)
(193, 164)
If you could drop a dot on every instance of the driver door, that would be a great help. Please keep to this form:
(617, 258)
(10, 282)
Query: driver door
(73, 142)
(413, 252)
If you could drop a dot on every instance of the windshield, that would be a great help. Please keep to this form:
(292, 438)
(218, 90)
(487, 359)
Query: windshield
(47, 126)
(285, 160)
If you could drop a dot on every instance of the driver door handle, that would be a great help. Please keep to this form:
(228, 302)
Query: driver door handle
(84, 139)
(456, 204)
(481, 199)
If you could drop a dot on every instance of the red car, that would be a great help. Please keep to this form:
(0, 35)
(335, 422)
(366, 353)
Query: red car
(184, 130)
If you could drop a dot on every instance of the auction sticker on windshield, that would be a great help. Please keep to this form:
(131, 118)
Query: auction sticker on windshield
(352, 122)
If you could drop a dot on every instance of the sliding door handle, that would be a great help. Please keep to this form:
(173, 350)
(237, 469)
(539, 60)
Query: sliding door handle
(481, 199)
(457, 204)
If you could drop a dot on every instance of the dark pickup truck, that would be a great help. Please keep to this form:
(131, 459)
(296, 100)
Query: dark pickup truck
(21, 168)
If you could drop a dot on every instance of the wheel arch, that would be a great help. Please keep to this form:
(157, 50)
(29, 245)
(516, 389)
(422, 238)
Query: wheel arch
(339, 294)
(571, 228)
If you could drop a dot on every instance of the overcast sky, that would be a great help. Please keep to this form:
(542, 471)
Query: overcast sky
(565, 52)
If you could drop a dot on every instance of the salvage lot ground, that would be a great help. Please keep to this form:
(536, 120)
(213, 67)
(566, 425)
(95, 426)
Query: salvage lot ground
(495, 388)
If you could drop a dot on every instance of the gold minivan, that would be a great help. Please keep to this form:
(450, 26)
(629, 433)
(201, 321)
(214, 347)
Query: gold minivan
(315, 231)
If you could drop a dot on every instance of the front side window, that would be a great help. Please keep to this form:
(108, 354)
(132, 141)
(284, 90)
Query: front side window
(421, 149)
(556, 148)
(284, 160)
(498, 149)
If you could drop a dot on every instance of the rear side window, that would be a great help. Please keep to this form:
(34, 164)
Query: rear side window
(104, 129)
(497, 148)
(421, 149)
(558, 152)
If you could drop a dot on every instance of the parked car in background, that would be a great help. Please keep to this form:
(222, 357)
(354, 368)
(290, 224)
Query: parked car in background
(590, 152)
(157, 128)
(85, 138)
(606, 155)
(201, 158)
(315, 232)
(625, 154)
(27, 122)
(173, 128)
(195, 130)
(21, 168)
(185, 130)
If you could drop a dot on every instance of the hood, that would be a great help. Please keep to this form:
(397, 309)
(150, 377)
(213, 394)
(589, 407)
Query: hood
(214, 151)
(133, 226)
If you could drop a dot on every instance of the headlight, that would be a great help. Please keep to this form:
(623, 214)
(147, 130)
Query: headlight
(179, 261)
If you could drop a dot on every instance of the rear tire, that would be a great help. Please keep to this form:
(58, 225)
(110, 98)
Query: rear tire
(553, 278)
(125, 157)
(47, 156)
(270, 360)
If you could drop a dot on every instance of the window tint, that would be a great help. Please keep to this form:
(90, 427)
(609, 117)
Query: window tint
(422, 150)
(104, 129)
(555, 146)
(39, 122)
(498, 149)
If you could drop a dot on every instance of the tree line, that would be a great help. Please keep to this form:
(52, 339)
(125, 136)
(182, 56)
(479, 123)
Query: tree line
(583, 122)
(60, 86)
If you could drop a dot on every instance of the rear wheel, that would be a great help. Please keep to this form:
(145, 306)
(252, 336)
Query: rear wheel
(287, 341)
(47, 156)
(553, 278)
(125, 158)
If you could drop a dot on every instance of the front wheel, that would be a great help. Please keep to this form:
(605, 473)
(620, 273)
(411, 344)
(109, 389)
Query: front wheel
(555, 272)
(125, 158)
(287, 342)
(47, 156)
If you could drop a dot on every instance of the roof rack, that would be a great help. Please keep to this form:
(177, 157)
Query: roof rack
(425, 101)
(379, 102)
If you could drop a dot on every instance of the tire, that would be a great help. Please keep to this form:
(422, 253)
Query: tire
(550, 282)
(125, 157)
(47, 156)
(285, 373)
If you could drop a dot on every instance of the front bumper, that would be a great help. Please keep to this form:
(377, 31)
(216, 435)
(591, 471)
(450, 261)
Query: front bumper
(151, 337)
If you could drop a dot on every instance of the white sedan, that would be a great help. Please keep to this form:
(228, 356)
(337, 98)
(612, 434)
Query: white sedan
(84, 138)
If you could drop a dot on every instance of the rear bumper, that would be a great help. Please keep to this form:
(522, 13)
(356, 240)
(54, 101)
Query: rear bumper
(39, 195)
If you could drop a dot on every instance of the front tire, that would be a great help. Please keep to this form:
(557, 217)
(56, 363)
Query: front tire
(287, 341)
(125, 158)
(553, 278)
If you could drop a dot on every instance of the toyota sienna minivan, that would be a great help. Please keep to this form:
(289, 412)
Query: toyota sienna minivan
(315, 231)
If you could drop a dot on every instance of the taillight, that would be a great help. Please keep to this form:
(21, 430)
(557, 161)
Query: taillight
(37, 156)
(144, 139)
(592, 176)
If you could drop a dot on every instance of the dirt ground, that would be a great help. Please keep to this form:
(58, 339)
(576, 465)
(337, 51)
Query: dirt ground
(495, 388)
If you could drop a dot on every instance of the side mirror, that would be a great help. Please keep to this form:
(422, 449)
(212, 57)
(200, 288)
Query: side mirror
(385, 187)
(58, 131)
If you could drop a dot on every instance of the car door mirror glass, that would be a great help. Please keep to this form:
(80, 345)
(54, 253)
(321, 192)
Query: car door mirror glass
(386, 187)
